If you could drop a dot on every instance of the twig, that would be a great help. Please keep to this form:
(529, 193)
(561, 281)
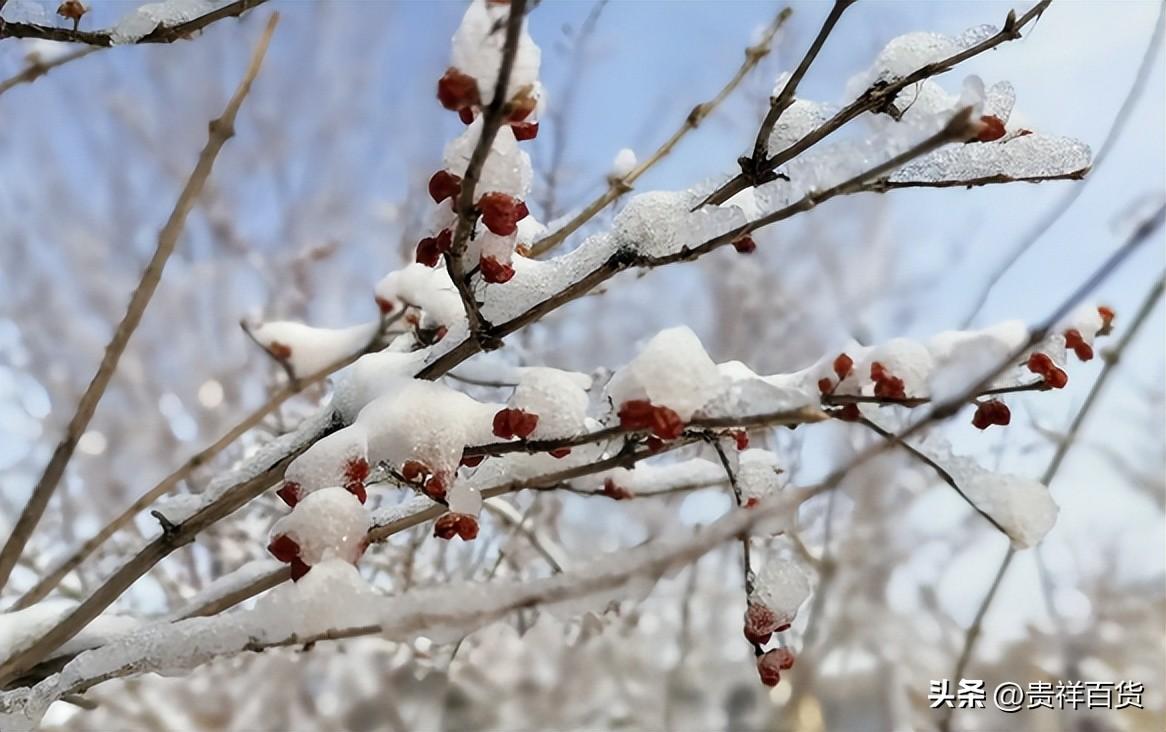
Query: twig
(467, 215)
(939, 469)
(36, 69)
(1053, 215)
(746, 560)
(221, 130)
(49, 581)
(785, 98)
(878, 97)
(618, 186)
(161, 34)
(1151, 301)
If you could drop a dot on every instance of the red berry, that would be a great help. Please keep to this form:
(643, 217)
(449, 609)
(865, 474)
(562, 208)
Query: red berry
(655, 444)
(784, 657)
(666, 424)
(742, 438)
(769, 668)
(890, 388)
(991, 412)
(991, 128)
(495, 272)
(1057, 378)
(385, 306)
(439, 333)
(752, 502)
(616, 492)
(1074, 341)
(501, 424)
(760, 622)
(290, 493)
(560, 452)
(635, 414)
(825, 386)
(466, 115)
(279, 350)
(1042, 365)
(356, 471)
(745, 245)
(524, 130)
(427, 253)
(443, 185)
(843, 366)
(472, 461)
(462, 525)
(298, 569)
(413, 470)
(848, 413)
(500, 212)
(1106, 314)
(284, 548)
(525, 423)
(456, 90)
(435, 488)
(358, 490)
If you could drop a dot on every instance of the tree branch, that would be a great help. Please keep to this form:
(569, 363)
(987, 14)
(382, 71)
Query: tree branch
(785, 98)
(616, 187)
(36, 69)
(877, 97)
(161, 34)
(467, 214)
(221, 130)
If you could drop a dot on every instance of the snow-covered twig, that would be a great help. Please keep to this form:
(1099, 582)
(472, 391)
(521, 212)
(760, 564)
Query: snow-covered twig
(619, 185)
(785, 98)
(1112, 359)
(221, 130)
(877, 97)
(160, 34)
(294, 386)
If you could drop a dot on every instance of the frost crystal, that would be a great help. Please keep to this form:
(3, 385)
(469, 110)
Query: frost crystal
(143, 20)
(507, 168)
(782, 587)
(660, 223)
(1026, 156)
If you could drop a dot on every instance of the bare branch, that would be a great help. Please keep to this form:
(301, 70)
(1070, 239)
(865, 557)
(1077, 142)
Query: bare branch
(36, 69)
(221, 130)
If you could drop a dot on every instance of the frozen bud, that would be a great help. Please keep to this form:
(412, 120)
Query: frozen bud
(290, 493)
(843, 365)
(769, 669)
(745, 245)
(510, 423)
(443, 185)
(524, 130)
(73, 10)
(991, 412)
(760, 623)
(501, 212)
(494, 271)
(1042, 365)
(456, 90)
(990, 128)
(452, 524)
(614, 491)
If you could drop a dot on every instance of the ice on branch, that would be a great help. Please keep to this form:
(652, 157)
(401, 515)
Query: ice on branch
(333, 595)
(423, 427)
(780, 587)
(661, 223)
(339, 459)
(144, 19)
(373, 375)
(647, 479)
(425, 294)
(1021, 506)
(327, 524)
(910, 52)
(21, 628)
(1029, 156)
(307, 349)
(672, 371)
(507, 168)
(559, 398)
